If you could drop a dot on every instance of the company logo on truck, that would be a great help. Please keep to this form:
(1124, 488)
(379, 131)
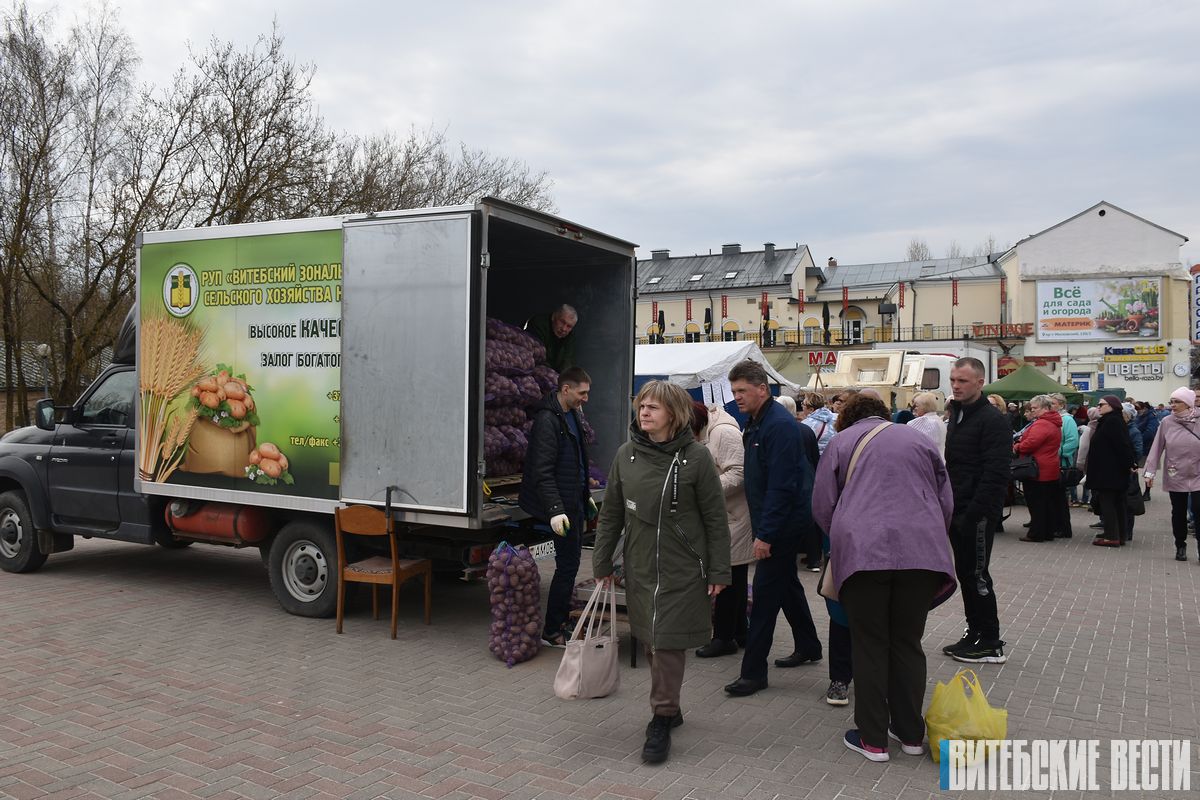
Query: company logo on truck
(179, 290)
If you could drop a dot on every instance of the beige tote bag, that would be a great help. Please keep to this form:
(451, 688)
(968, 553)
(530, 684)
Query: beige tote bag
(589, 664)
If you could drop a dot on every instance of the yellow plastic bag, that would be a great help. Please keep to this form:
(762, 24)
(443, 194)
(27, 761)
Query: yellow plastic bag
(956, 713)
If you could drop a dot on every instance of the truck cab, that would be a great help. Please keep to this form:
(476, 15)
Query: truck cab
(897, 375)
(73, 475)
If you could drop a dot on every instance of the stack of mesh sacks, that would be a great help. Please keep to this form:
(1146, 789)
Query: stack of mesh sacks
(516, 379)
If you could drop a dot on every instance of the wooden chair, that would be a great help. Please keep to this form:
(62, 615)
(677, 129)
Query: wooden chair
(376, 570)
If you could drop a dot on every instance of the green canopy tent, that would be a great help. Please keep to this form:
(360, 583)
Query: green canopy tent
(1026, 382)
(1093, 397)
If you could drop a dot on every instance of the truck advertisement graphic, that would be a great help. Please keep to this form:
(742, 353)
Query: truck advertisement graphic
(239, 367)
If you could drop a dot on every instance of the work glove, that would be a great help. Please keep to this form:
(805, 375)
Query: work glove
(590, 511)
(560, 524)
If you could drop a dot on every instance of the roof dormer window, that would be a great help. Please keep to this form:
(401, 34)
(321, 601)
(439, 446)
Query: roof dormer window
(655, 279)
(696, 277)
(729, 275)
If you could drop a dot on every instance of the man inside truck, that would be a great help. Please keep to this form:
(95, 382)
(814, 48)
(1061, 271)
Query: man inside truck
(556, 331)
(554, 490)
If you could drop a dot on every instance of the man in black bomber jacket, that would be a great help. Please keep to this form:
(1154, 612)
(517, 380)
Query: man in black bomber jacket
(978, 460)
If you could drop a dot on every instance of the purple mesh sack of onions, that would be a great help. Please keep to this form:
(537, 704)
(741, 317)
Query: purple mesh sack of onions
(501, 331)
(495, 444)
(516, 598)
(546, 377)
(509, 415)
(503, 391)
(531, 392)
(508, 358)
(517, 443)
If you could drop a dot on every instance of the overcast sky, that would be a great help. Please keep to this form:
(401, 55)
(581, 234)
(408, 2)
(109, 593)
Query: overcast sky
(848, 126)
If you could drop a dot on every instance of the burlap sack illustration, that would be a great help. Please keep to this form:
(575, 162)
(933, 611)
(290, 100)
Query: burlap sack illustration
(213, 450)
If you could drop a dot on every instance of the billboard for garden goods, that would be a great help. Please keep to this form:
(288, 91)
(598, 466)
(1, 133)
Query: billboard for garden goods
(1103, 309)
(239, 364)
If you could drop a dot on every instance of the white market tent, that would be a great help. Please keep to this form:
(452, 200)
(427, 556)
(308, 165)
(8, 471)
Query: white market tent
(692, 365)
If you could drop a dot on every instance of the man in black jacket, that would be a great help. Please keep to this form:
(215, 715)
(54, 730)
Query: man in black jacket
(554, 489)
(978, 458)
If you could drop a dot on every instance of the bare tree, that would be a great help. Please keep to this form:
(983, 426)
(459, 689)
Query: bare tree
(36, 93)
(475, 173)
(918, 250)
(380, 172)
(986, 247)
(260, 144)
(422, 169)
(954, 250)
(85, 270)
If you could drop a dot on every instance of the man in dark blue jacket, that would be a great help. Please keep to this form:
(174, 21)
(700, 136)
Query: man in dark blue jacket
(554, 490)
(778, 481)
(1147, 422)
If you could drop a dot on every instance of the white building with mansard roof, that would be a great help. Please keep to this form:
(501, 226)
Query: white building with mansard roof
(1109, 301)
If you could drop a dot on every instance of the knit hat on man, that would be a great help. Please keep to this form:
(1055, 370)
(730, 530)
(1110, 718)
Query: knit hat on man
(1128, 408)
(1113, 401)
(1186, 395)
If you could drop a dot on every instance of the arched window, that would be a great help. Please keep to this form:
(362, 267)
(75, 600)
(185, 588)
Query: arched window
(812, 331)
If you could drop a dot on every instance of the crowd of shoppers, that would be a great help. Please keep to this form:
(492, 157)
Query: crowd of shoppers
(904, 505)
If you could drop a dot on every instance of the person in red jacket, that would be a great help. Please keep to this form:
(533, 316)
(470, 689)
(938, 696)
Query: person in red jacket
(1041, 440)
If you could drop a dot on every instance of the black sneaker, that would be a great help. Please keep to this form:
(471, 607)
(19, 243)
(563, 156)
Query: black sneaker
(658, 737)
(1181, 553)
(969, 638)
(982, 652)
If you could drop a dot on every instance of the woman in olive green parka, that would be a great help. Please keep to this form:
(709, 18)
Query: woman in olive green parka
(664, 494)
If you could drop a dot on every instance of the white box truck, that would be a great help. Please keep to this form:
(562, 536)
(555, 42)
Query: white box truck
(273, 371)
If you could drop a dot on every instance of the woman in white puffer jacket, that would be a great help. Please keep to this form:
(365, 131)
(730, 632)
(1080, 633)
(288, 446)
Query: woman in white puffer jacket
(719, 432)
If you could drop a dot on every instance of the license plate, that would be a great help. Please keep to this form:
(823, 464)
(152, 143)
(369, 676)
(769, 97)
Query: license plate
(542, 551)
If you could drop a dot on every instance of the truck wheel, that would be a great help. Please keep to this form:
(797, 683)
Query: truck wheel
(18, 541)
(302, 563)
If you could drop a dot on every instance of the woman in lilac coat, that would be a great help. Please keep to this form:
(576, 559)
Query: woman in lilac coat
(891, 562)
(1177, 446)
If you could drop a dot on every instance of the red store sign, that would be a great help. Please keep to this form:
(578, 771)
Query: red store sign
(822, 358)
(1010, 331)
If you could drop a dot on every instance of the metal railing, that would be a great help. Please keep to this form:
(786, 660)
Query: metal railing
(815, 337)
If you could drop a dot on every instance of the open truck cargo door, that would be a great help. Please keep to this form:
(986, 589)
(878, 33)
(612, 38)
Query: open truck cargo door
(410, 349)
(418, 290)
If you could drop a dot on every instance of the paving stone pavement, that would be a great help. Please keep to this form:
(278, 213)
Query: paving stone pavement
(133, 672)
